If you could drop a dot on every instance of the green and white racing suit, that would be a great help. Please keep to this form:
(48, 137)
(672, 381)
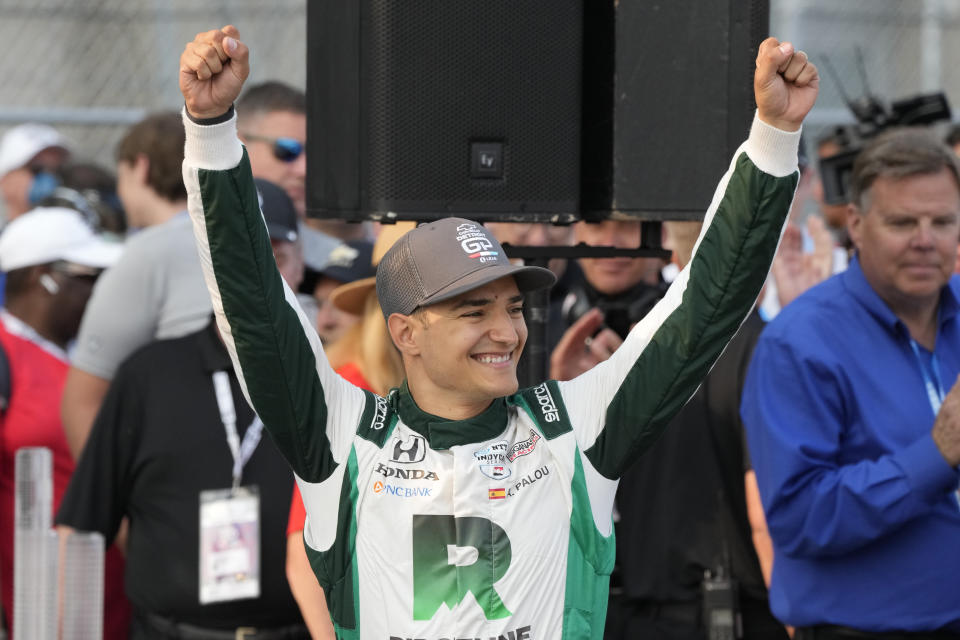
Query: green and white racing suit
(496, 527)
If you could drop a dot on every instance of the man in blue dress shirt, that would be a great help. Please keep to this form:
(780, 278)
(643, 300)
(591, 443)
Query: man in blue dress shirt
(853, 427)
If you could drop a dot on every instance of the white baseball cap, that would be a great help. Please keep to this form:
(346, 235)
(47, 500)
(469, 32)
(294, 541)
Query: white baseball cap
(20, 144)
(49, 234)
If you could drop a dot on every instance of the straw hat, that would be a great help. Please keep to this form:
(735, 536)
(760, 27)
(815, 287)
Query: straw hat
(352, 296)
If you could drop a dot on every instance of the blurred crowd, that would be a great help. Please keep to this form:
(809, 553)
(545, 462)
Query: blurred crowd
(806, 484)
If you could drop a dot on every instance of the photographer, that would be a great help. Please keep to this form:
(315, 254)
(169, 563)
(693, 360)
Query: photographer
(622, 290)
(683, 528)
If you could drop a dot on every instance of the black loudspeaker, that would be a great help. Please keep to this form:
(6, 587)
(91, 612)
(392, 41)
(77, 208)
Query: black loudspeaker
(427, 108)
(668, 97)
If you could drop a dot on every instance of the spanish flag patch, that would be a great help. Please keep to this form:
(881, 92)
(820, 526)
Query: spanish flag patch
(496, 494)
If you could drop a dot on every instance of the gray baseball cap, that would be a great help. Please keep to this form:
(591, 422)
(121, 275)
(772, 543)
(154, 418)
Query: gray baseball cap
(440, 260)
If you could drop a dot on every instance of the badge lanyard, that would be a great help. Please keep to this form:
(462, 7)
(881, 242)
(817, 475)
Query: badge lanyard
(934, 386)
(241, 451)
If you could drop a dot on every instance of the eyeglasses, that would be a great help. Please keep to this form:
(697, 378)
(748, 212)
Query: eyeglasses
(284, 149)
(76, 271)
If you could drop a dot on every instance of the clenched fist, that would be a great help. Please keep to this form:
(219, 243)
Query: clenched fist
(785, 84)
(212, 70)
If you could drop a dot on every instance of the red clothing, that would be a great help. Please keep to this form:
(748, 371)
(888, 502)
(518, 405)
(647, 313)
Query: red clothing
(38, 372)
(298, 515)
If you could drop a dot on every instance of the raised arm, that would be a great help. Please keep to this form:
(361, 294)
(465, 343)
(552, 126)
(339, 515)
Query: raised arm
(620, 407)
(310, 412)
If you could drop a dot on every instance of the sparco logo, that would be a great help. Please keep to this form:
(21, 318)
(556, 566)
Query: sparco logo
(405, 474)
(379, 415)
(547, 406)
(475, 243)
(408, 450)
(524, 447)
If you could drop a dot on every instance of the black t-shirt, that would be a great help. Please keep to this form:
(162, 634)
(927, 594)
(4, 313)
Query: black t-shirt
(157, 442)
(682, 505)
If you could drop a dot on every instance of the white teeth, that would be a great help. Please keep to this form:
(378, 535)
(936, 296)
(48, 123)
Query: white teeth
(494, 359)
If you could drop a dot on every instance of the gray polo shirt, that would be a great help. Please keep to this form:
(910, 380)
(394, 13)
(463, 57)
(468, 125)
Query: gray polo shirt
(154, 291)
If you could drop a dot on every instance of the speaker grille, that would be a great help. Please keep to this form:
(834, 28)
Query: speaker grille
(445, 73)
(661, 125)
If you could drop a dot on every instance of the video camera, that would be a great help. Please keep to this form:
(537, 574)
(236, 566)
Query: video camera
(873, 117)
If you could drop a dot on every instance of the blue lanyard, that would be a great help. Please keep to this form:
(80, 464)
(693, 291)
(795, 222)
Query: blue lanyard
(934, 387)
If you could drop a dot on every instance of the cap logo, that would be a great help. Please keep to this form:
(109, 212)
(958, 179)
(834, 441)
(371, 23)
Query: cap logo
(475, 243)
(342, 256)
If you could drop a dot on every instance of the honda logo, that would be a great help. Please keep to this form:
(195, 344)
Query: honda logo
(408, 450)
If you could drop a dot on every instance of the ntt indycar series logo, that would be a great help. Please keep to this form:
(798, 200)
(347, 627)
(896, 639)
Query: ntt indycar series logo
(475, 243)
(493, 460)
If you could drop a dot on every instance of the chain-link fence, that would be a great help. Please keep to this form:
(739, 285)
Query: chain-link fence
(92, 67)
(907, 47)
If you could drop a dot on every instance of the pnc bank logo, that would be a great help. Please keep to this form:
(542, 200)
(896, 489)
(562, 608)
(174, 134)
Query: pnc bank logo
(455, 556)
(386, 489)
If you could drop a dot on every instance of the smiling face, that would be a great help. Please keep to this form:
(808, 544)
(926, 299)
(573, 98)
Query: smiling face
(907, 238)
(461, 354)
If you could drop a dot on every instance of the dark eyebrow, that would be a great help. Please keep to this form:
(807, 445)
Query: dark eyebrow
(482, 302)
(474, 302)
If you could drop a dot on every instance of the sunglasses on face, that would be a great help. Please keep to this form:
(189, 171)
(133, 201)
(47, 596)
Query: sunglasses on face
(284, 149)
(76, 271)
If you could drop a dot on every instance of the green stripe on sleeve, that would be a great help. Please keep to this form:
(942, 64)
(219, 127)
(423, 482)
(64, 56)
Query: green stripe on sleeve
(726, 275)
(277, 363)
(590, 559)
(336, 569)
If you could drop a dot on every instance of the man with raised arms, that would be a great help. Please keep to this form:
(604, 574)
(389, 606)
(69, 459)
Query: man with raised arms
(425, 517)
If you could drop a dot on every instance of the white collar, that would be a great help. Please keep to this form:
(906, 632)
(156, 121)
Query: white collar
(21, 329)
